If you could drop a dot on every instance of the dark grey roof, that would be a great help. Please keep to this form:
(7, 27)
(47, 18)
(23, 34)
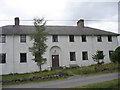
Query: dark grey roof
(60, 30)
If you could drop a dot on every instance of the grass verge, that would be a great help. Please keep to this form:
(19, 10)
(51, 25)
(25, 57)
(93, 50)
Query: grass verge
(107, 84)
(35, 81)
(28, 75)
(86, 70)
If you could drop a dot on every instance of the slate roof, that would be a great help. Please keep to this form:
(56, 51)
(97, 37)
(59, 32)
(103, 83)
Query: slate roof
(59, 30)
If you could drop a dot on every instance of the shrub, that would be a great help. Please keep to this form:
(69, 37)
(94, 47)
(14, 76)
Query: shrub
(98, 56)
(106, 67)
(115, 56)
(87, 70)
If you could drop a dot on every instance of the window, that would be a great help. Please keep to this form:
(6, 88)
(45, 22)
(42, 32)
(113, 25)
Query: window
(22, 38)
(84, 38)
(71, 38)
(55, 38)
(2, 38)
(85, 55)
(36, 57)
(99, 38)
(109, 38)
(100, 54)
(110, 52)
(23, 58)
(3, 58)
(72, 56)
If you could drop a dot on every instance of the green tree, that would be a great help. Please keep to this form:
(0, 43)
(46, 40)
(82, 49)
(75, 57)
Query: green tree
(115, 56)
(98, 56)
(39, 45)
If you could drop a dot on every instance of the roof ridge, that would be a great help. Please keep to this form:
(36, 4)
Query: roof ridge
(61, 30)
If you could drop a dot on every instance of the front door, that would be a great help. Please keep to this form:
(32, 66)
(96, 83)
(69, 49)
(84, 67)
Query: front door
(55, 61)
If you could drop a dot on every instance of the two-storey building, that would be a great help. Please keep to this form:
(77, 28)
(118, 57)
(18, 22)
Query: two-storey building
(67, 46)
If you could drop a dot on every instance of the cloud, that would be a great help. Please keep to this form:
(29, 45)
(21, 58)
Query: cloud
(105, 11)
(28, 9)
(60, 10)
(91, 10)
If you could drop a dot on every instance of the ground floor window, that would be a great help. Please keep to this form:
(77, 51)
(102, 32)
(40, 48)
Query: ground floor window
(85, 55)
(72, 56)
(110, 52)
(2, 57)
(23, 57)
(100, 54)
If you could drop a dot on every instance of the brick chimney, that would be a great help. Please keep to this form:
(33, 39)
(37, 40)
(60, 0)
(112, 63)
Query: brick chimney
(80, 23)
(17, 21)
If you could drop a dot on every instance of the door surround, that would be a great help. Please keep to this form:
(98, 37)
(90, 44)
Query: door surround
(55, 51)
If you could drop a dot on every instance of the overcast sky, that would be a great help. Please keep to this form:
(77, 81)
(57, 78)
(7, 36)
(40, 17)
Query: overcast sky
(96, 13)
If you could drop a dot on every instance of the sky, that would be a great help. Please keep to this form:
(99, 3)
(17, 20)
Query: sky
(101, 14)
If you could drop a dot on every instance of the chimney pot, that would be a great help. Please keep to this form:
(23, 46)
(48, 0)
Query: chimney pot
(17, 21)
(80, 23)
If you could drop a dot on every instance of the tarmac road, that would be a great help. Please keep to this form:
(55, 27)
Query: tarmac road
(73, 81)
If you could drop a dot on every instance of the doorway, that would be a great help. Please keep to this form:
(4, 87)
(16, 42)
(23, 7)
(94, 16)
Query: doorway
(55, 61)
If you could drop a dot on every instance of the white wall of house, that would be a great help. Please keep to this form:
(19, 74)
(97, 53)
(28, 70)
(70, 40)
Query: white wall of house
(63, 47)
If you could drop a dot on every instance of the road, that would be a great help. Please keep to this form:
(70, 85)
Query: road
(73, 81)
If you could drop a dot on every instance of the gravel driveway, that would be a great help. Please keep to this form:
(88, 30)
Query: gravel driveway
(73, 81)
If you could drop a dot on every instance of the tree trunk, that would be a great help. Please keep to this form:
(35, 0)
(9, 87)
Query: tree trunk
(98, 62)
(40, 68)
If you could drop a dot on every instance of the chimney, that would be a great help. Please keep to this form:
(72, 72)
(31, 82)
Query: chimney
(16, 21)
(80, 23)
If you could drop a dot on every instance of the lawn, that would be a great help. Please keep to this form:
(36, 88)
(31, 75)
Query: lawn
(86, 70)
(28, 75)
(107, 84)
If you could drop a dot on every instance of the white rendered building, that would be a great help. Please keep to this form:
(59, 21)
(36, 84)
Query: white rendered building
(67, 46)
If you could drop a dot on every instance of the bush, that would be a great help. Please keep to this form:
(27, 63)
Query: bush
(115, 56)
(87, 70)
(98, 57)
(106, 67)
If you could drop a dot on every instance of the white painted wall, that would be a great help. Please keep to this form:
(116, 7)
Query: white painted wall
(13, 48)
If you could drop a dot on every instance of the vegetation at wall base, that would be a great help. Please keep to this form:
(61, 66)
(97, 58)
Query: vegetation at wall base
(93, 69)
(59, 74)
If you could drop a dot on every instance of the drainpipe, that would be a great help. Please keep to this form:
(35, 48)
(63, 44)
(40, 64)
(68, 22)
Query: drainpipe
(13, 53)
(92, 45)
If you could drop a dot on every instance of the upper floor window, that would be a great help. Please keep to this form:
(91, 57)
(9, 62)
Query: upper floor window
(85, 55)
(23, 57)
(84, 38)
(72, 56)
(2, 38)
(55, 38)
(2, 57)
(22, 38)
(99, 38)
(109, 38)
(71, 38)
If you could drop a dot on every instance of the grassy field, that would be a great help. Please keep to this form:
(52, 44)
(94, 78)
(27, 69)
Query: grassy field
(35, 81)
(107, 84)
(70, 71)
(86, 70)
(93, 69)
(28, 75)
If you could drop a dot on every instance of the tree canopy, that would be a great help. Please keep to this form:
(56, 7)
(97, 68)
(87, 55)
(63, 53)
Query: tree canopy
(39, 45)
